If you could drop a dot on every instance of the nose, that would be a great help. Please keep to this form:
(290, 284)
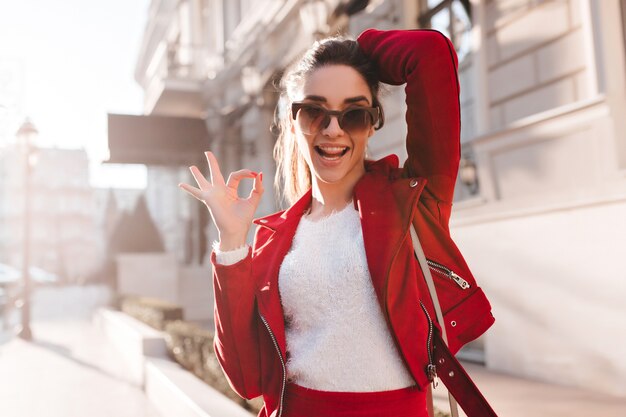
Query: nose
(333, 129)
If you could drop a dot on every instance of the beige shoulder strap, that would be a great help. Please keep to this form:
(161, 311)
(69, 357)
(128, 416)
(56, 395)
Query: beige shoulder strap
(419, 252)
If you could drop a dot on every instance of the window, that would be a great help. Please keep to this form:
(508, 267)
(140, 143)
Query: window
(452, 18)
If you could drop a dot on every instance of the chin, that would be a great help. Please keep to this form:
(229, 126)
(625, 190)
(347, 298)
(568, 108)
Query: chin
(338, 175)
(330, 178)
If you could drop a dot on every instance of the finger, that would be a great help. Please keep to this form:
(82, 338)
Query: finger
(200, 179)
(216, 174)
(191, 190)
(257, 190)
(235, 177)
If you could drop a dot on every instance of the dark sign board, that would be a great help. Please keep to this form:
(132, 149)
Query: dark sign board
(156, 140)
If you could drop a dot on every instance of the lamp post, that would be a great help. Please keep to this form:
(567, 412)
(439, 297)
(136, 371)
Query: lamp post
(25, 135)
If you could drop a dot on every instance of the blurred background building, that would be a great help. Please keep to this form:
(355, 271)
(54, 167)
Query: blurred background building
(64, 237)
(541, 193)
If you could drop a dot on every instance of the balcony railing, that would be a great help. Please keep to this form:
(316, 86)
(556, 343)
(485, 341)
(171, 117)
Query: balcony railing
(177, 61)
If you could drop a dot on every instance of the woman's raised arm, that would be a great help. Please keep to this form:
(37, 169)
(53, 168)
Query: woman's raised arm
(426, 61)
(236, 323)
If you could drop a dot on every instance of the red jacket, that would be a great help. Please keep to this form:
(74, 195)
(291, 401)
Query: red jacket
(250, 330)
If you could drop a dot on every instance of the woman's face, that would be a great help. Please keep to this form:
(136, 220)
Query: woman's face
(335, 155)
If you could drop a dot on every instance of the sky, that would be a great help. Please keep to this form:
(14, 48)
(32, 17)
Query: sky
(65, 64)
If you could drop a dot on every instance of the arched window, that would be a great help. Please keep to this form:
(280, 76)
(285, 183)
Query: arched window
(451, 17)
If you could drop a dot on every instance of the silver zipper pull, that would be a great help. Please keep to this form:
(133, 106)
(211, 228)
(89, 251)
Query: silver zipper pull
(431, 372)
(460, 281)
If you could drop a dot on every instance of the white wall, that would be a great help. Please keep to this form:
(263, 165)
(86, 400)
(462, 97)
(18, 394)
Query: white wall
(557, 289)
(148, 274)
(195, 293)
(159, 275)
(538, 57)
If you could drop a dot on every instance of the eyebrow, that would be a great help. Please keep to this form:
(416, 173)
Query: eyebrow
(346, 101)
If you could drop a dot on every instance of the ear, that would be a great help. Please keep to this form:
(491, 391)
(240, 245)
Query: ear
(292, 126)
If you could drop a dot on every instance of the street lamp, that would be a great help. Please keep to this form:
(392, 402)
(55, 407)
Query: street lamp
(468, 174)
(26, 135)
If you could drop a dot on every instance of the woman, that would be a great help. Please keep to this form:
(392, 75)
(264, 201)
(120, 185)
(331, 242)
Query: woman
(328, 313)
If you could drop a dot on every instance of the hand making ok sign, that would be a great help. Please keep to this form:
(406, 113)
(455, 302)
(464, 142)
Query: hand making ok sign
(231, 214)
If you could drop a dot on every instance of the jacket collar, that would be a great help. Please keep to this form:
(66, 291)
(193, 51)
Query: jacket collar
(293, 214)
(274, 221)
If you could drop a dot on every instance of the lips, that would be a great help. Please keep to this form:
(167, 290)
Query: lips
(331, 153)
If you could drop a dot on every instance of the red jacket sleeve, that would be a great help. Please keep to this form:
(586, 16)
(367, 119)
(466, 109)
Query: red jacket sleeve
(236, 326)
(426, 61)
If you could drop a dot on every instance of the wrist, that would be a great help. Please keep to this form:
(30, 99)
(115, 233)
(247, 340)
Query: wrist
(229, 257)
(231, 242)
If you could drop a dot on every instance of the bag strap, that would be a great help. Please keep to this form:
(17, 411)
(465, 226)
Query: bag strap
(451, 371)
(419, 252)
(459, 383)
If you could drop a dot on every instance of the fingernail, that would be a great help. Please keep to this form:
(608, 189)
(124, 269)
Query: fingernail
(261, 176)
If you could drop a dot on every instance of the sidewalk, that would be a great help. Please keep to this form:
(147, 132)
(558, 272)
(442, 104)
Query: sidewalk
(68, 370)
(515, 397)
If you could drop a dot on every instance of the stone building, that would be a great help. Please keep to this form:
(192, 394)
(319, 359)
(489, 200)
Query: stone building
(541, 194)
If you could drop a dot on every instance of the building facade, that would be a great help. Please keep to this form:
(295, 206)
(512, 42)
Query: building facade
(546, 228)
(541, 194)
(64, 237)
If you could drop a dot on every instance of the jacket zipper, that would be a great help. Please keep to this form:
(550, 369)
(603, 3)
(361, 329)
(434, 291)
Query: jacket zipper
(282, 362)
(448, 273)
(431, 368)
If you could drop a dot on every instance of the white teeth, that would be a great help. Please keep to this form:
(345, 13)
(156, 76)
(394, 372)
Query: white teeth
(331, 153)
(332, 148)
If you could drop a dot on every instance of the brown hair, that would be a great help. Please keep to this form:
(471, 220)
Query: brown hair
(293, 177)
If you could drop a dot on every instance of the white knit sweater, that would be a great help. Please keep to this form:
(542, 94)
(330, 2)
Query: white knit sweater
(337, 338)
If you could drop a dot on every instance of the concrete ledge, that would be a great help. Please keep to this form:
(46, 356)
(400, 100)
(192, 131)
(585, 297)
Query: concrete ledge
(173, 390)
(133, 339)
(176, 392)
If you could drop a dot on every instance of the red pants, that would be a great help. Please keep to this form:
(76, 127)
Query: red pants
(305, 402)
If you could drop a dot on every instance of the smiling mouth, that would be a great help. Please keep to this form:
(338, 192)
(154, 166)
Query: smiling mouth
(331, 153)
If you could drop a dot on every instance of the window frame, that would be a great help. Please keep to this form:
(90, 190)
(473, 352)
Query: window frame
(424, 18)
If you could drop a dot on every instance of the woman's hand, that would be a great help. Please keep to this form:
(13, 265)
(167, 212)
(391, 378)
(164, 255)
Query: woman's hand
(231, 214)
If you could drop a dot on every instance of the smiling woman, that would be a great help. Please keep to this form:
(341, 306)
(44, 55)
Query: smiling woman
(328, 314)
(334, 75)
(332, 126)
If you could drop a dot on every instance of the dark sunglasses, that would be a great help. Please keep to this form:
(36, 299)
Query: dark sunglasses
(311, 118)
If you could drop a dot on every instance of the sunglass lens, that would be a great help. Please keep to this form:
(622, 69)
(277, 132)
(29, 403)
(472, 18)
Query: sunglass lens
(311, 118)
(356, 120)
